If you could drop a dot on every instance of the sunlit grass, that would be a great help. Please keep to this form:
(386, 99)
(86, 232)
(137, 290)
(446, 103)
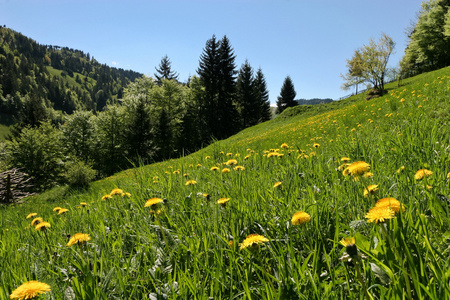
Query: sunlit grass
(192, 245)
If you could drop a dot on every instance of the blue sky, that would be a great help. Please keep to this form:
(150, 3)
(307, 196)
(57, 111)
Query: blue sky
(309, 40)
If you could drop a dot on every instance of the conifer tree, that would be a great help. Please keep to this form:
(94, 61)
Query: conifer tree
(246, 96)
(262, 96)
(164, 71)
(287, 96)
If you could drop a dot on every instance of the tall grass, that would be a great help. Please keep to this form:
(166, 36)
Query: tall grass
(192, 248)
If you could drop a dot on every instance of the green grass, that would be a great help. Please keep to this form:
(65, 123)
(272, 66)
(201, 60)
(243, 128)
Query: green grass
(185, 253)
(71, 80)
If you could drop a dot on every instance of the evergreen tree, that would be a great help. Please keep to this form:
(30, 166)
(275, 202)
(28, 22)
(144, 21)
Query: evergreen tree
(262, 97)
(287, 96)
(246, 96)
(164, 71)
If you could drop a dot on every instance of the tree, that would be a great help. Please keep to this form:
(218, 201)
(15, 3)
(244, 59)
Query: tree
(429, 40)
(246, 96)
(354, 75)
(287, 96)
(164, 71)
(78, 134)
(370, 63)
(262, 97)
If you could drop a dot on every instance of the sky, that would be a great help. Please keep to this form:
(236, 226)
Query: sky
(308, 40)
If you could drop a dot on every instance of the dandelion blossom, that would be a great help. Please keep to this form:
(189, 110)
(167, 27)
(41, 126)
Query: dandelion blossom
(57, 208)
(300, 217)
(370, 190)
(231, 162)
(31, 215)
(422, 173)
(42, 226)
(214, 169)
(345, 159)
(107, 196)
(62, 211)
(36, 221)
(116, 191)
(239, 168)
(226, 170)
(278, 184)
(251, 240)
(30, 290)
(316, 145)
(78, 238)
(83, 204)
(191, 182)
(347, 241)
(153, 201)
(400, 169)
(357, 168)
(284, 146)
(379, 214)
(223, 201)
(392, 203)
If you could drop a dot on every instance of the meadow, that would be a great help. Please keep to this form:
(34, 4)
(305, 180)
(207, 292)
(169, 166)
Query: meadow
(288, 209)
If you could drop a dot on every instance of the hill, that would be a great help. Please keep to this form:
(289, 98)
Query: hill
(62, 78)
(347, 200)
(313, 101)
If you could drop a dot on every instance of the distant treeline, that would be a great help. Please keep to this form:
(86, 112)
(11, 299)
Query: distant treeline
(313, 101)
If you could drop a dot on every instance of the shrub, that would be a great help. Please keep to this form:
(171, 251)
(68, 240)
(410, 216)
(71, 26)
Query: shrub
(79, 174)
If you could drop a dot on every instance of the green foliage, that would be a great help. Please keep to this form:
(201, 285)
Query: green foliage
(164, 71)
(78, 135)
(38, 151)
(287, 96)
(79, 174)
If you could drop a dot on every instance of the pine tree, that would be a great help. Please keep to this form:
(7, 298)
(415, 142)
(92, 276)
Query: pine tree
(287, 96)
(262, 96)
(246, 96)
(164, 71)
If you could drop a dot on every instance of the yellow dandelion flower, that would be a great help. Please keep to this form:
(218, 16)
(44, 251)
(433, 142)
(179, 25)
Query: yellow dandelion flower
(347, 241)
(229, 154)
(370, 190)
(107, 196)
(400, 169)
(191, 182)
(31, 215)
(343, 166)
(278, 184)
(247, 156)
(251, 240)
(345, 159)
(128, 195)
(42, 226)
(158, 212)
(185, 175)
(284, 146)
(357, 168)
(231, 162)
(83, 204)
(207, 196)
(223, 201)
(199, 165)
(116, 191)
(239, 168)
(392, 203)
(272, 154)
(78, 238)
(30, 290)
(57, 208)
(176, 172)
(368, 175)
(214, 169)
(36, 221)
(207, 157)
(316, 145)
(422, 173)
(300, 217)
(379, 214)
(153, 201)
(226, 170)
(62, 211)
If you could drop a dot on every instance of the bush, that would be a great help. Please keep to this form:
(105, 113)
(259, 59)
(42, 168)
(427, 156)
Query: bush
(79, 174)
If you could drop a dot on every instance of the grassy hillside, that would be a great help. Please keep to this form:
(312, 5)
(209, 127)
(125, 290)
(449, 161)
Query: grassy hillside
(287, 181)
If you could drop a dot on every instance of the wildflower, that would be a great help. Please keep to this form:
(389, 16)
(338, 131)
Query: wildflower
(357, 168)
(368, 175)
(379, 214)
(199, 165)
(239, 168)
(347, 241)
(300, 217)
(284, 146)
(62, 211)
(247, 156)
(57, 208)
(152, 202)
(31, 215)
(107, 196)
(392, 203)
(83, 204)
(176, 172)
(30, 290)
(78, 238)
(316, 145)
(207, 196)
(229, 154)
(272, 154)
(207, 157)
(278, 184)
(42, 226)
(223, 201)
(231, 162)
(214, 168)
(185, 175)
(422, 173)
(370, 190)
(191, 182)
(158, 212)
(400, 169)
(251, 240)
(36, 221)
(125, 195)
(116, 191)
(226, 170)
(345, 159)
(343, 166)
